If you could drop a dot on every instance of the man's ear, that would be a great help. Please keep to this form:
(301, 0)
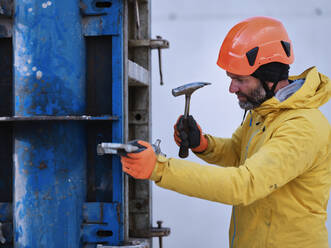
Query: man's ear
(270, 84)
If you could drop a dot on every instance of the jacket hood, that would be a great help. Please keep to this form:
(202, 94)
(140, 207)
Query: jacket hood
(315, 92)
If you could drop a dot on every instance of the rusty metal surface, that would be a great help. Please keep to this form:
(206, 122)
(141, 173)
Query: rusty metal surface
(159, 232)
(154, 232)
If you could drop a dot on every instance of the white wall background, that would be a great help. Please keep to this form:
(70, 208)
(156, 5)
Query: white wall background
(196, 30)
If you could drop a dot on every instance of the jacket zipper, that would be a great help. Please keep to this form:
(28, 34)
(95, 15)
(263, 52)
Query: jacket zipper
(249, 142)
(233, 210)
(234, 226)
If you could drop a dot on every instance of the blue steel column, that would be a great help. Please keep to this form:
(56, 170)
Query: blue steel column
(117, 132)
(49, 157)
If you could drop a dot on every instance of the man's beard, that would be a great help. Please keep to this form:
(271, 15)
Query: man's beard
(254, 99)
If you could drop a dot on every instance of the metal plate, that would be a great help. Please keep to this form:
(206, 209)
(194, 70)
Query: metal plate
(101, 17)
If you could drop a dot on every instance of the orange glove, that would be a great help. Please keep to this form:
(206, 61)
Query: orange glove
(193, 139)
(141, 164)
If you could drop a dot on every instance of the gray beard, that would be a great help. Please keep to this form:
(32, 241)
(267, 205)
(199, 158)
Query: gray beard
(254, 99)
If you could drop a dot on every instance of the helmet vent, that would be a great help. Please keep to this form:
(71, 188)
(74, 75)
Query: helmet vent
(286, 47)
(251, 55)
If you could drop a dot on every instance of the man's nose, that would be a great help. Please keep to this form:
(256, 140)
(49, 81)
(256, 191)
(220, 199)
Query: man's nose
(233, 87)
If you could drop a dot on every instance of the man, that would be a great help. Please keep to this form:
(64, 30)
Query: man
(276, 168)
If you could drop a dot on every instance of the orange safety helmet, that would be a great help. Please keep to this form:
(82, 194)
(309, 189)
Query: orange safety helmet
(254, 42)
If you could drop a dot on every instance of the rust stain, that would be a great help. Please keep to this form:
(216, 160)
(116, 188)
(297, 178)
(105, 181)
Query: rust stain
(47, 196)
(42, 165)
(118, 211)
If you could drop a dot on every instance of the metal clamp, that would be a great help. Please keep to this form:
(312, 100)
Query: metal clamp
(131, 244)
(156, 232)
(158, 44)
(161, 232)
(121, 149)
(152, 44)
(114, 148)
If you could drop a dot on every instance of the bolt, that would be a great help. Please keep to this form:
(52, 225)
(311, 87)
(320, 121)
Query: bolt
(160, 61)
(159, 225)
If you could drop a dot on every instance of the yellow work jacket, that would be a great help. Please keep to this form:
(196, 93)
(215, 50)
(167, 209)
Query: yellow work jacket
(275, 171)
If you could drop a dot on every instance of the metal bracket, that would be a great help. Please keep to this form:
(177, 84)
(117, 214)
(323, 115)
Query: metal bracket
(156, 232)
(157, 43)
(152, 44)
(100, 17)
(95, 8)
(161, 232)
(101, 222)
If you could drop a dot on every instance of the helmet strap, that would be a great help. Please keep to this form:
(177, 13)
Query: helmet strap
(269, 92)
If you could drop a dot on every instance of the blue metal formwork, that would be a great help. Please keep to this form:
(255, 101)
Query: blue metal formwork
(67, 96)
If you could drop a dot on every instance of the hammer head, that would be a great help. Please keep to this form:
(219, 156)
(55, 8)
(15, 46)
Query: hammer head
(188, 89)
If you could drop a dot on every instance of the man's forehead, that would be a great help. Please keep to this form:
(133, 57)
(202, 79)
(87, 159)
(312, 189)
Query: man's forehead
(232, 75)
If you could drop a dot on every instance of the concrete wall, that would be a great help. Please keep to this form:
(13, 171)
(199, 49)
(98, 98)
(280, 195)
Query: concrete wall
(196, 30)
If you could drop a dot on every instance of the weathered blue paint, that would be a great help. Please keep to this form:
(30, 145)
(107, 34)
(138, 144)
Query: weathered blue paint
(109, 21)
(49, 157)
(102, 21)
(117, 128)
(50, 61)
(49, 186)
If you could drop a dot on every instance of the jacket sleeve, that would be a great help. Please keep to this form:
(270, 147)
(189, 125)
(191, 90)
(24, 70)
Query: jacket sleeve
(222, 151)
(290, 152)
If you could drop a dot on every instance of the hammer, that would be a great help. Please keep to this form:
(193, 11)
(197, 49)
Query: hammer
(187, 90)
